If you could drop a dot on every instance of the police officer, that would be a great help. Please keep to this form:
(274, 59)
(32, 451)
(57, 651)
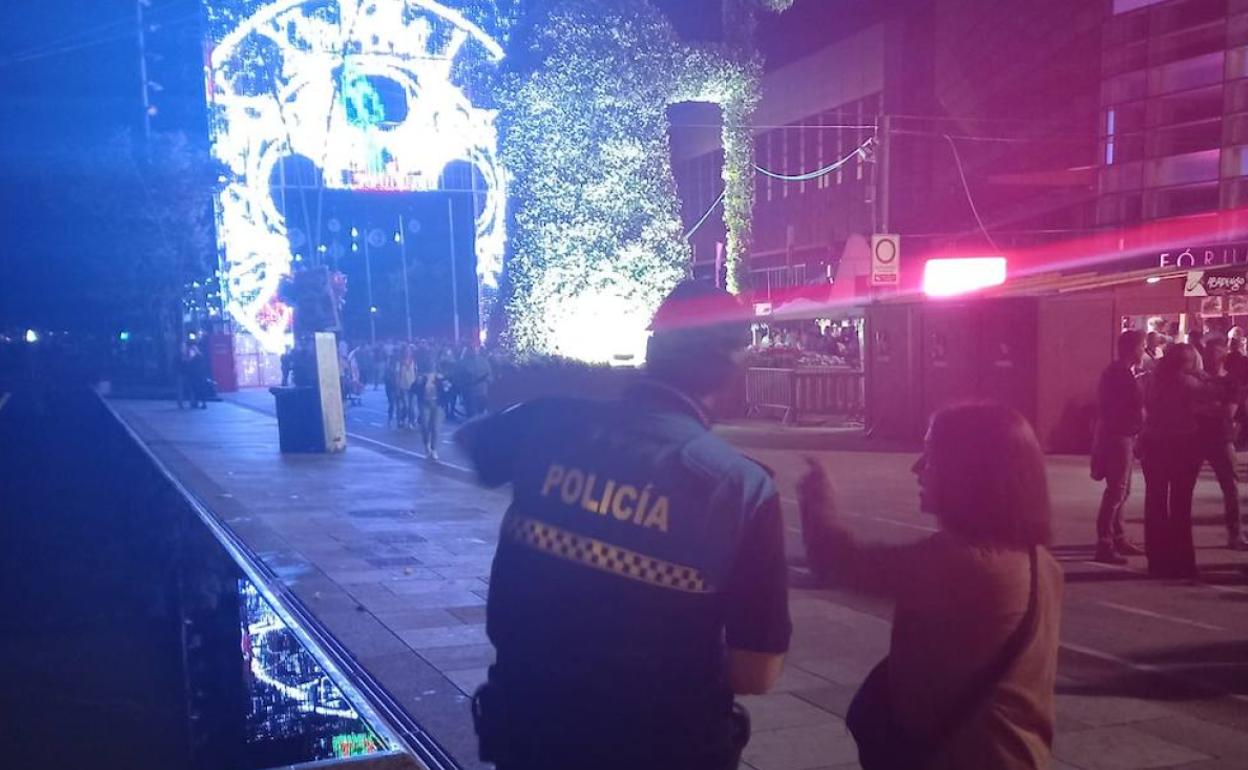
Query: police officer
(640, 578)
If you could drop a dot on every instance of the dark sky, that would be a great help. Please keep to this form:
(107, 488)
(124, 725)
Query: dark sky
(69, 79)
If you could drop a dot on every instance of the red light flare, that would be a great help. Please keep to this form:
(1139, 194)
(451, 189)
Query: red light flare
(1092, 252)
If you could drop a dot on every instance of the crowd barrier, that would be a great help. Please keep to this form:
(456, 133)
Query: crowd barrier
(830, 391)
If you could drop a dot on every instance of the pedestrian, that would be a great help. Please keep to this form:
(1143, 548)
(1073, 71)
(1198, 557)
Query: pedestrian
(640, 577)
(430, 389)
(1170, 453)
(199, 374)
(395, 398)
(288, 363)
(407, 376)
(1217, 427)
(1120, 418)
(972, 664)
(1154, 348)
(184, 375)
(477, 375)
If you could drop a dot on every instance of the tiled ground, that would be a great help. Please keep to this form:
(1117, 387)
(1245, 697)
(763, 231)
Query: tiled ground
(393, 555)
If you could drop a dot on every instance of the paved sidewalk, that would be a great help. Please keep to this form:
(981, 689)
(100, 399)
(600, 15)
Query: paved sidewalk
(393, 554)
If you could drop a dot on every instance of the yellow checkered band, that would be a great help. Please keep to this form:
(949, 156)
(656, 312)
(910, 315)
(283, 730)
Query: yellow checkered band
(606, 557)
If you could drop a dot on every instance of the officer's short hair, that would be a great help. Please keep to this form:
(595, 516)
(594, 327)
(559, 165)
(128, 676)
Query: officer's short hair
(694, 335)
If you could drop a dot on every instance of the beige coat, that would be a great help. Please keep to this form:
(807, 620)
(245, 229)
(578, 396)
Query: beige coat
(956, 606)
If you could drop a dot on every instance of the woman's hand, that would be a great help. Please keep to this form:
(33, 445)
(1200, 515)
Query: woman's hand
(820, 523)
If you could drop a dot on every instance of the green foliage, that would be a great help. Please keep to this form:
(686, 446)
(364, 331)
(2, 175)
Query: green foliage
(597, 239)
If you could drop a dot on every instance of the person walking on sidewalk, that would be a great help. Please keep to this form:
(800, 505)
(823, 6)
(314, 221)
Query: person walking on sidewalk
(972, 664)
(1170, 452)
(1217, 435)
(430, 388)
(640, 578)
(476, 375)
(1120, 417)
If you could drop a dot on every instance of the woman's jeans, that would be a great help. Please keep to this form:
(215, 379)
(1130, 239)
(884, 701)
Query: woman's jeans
(1171, 466)
(430, 421)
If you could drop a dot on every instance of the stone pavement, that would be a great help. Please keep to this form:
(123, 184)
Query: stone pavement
(393, 555)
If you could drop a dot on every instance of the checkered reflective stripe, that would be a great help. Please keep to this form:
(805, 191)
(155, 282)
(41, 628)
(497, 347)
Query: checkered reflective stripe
(604, 556)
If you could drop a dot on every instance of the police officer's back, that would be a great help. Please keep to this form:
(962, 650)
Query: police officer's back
(637, 547)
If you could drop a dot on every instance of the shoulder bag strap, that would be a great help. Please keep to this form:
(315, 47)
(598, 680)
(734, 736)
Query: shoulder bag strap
(982, 687)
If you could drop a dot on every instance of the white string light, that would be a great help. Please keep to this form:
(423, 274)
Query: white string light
(859, 151)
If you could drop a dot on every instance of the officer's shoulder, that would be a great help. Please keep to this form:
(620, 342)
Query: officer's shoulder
(717, 459)
(553, 408)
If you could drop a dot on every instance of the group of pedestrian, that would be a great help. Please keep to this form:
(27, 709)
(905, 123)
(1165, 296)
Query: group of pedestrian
(427, 383)
(1174, 408)
(640, 580)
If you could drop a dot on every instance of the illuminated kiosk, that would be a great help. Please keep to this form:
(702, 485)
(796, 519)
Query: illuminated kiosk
(314, 101)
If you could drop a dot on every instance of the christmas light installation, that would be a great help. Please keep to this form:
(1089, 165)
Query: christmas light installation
(305, 78)
(597, 240)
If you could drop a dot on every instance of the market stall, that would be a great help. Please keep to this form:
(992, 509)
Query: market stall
(806, 363)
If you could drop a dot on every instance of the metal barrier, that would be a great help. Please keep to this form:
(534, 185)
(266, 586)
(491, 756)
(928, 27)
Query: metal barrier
(794, 392)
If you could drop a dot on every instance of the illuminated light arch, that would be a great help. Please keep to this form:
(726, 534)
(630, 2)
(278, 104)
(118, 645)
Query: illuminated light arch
(302, 52)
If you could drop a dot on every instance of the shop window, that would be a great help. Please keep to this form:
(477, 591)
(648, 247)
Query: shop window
(1183, 169)
(1182, 201)
(1120, 209)
(1235, 161)
(1172, 17)
(1187, 44)
(1133, 56)
(1127, 6)
(1185, 107)
(1237, 30)
(1187, 74)
(1237, 129)
(1237, 63)
(1185, 140)
(1125, 29)
(1236, 96)
(1129, 117)
(1125, 88)
(1124, 176)
(1128, 148)
(1235, 194)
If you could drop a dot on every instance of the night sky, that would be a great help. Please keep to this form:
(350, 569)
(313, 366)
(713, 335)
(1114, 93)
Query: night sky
(69, 80)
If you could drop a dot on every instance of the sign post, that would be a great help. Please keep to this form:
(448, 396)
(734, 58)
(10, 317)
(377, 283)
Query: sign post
(885, 260)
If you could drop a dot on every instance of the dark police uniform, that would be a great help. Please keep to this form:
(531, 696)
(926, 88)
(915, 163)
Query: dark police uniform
(637, 546)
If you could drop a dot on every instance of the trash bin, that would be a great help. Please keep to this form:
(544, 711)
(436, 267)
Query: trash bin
(299, 426)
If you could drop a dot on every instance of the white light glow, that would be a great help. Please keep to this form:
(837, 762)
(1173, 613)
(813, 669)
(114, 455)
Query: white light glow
(294, 79)
(600, 327)
(32, 336)
(1152, 279)
(952, 277)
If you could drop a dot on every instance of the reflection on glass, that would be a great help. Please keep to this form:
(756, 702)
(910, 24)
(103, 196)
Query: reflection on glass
(293, 702)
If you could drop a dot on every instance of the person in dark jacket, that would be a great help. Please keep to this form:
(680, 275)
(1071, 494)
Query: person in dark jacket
(1120, 406)
(1217, 435)
(1171, 456)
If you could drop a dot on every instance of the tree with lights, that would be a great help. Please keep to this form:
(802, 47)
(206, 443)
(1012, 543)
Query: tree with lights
(597, 238)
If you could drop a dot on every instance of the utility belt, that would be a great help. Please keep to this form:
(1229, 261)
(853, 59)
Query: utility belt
(553, 733)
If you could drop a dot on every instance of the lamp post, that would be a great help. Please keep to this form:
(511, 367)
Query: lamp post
(401, 237)
(368, 282)
(450, 218)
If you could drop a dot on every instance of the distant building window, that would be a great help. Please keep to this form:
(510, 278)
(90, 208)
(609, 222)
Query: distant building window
(1109, 133)
(1126, 6)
